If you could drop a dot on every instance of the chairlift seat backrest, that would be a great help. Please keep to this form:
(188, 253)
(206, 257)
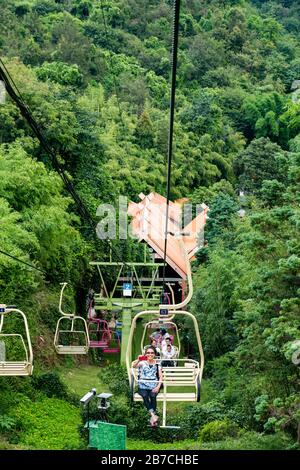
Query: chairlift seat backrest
(17, 367)
(69, 348)
(99, 334)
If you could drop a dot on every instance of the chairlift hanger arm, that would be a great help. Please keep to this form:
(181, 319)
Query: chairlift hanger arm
(63, 284)
(189, 279)
(152, 282)
(102, 280)
(172, 292)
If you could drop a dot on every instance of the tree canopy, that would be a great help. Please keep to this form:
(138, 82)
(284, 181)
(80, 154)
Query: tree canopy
(96, 79)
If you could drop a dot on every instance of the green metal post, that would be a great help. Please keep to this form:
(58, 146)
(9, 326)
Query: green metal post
(126, 320)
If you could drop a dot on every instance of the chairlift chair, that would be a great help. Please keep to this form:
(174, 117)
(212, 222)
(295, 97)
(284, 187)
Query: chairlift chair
(188, 372)
(70, 331)
(151, 325)
(114, 346)
(20, 367)
(99, 333)
(102, 337)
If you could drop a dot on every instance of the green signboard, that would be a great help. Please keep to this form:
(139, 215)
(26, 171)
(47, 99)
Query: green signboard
(107, 436)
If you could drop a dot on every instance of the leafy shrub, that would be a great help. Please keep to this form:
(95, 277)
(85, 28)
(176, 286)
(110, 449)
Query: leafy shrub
(196, 416)
(116, 378)
(247, 441)
(120, 411)
(48, 424)
(16, 389)
(59, 72)
(134, 416)
(252, 441)
(6, 423)
(279, 414)
(50, 384)
(218, 430)
(22, 9)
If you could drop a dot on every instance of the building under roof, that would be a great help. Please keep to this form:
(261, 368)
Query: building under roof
(148, 225)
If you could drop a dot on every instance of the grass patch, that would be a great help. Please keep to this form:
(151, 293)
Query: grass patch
(5, 445)
(149, 445)
(49, 423)
(82, 379)
(249, 441)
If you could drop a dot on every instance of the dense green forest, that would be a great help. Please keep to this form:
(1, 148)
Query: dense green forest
(96, 77)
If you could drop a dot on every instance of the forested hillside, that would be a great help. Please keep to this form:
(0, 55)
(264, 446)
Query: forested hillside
(96, 77)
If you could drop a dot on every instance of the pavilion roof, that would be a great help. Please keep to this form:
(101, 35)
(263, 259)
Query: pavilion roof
(148, 224)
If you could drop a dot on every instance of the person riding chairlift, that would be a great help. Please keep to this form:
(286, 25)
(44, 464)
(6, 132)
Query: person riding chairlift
(153, 345)
(156, 335)
(149, 382)
(167, 341)
(164, 336)
(168, 354)
(112, 323)
(90, 303)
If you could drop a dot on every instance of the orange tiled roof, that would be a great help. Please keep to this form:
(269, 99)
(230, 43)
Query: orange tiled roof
(148, 224)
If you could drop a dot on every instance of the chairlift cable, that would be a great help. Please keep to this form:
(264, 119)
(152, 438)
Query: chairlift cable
(171, 127)
(27, 114)
(16, 96)
(21, 261)
(110, 60)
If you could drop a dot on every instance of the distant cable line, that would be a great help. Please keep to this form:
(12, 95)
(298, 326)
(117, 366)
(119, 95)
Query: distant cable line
(110, 61)
(15, 94)
(21, 261)
(27, 114)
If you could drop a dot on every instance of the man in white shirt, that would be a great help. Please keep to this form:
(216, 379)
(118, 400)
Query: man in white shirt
(164, 345)
(168, 353)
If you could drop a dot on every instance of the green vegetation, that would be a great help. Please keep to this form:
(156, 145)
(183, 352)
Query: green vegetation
(102, 100)
(48, 424)
(249, 441)
(82, 379)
